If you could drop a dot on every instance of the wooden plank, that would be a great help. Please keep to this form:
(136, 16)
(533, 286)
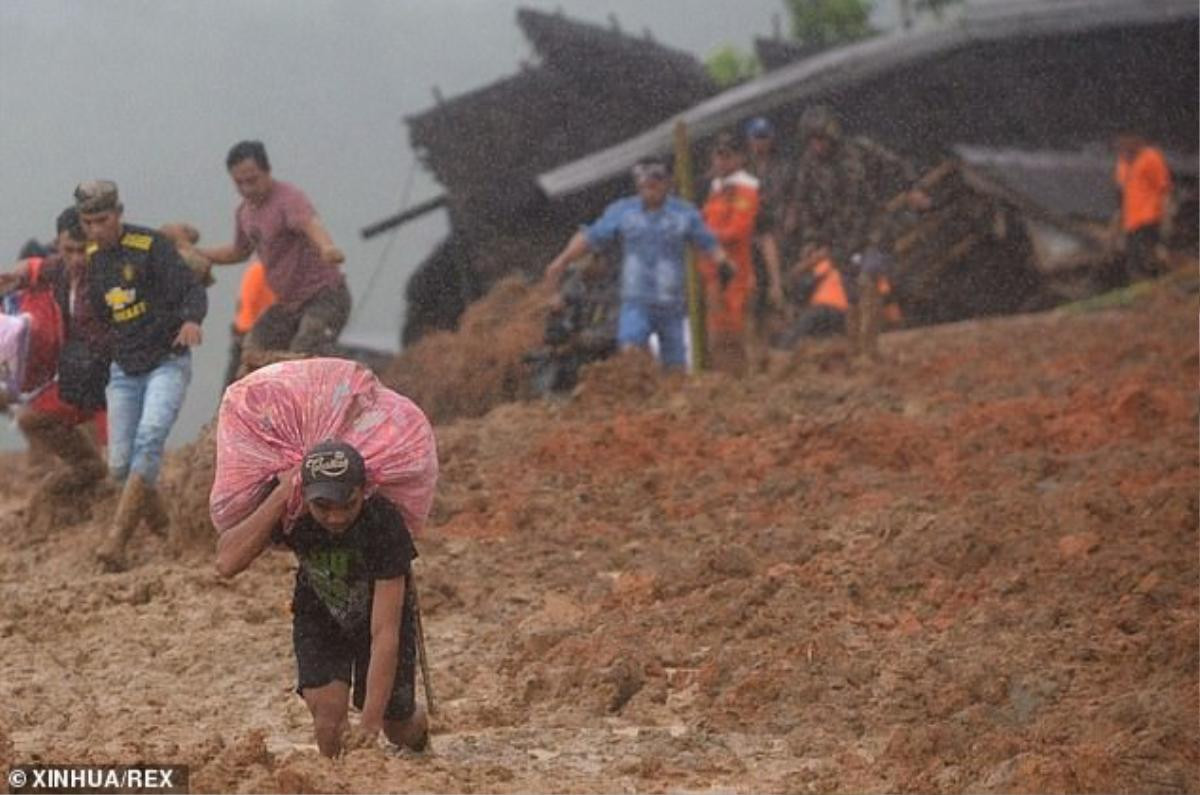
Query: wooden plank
(412, 213)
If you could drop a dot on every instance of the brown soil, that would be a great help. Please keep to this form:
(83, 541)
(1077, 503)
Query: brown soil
(478, 367)
(971, 568)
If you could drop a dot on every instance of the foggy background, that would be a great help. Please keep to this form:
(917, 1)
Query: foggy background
(153, 93)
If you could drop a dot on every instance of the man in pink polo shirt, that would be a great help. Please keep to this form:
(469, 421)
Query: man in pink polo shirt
(276, 220)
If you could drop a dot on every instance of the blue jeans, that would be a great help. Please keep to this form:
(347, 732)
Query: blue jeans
(141, 410)
(637, 321)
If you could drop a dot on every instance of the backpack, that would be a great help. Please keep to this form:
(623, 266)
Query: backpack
(46, 331)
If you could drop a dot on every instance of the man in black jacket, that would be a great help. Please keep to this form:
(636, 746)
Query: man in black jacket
(154, 305)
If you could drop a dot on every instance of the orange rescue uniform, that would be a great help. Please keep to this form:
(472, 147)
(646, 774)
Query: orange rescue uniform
(730, 211)
(1145, 183)
(254, 299)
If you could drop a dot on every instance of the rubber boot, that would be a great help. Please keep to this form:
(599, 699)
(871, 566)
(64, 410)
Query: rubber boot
(155, 513)
(736, 358)
(716, 354)
(39, 458)
(726, 353)
(870, 310)
(130, 507)
(853, 327)
(754, 346)
(757, 342)
(82, 466)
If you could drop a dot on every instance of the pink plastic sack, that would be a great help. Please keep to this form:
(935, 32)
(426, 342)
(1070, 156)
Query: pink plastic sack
(269, 418)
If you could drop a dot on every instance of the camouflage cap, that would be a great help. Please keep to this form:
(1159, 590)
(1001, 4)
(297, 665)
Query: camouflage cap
(820, 120)
(97, 196)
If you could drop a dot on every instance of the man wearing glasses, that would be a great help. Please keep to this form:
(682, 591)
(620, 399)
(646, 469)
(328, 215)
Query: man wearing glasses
(654, 228)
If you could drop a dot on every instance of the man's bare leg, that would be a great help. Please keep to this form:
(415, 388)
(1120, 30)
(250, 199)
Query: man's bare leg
(328, 705)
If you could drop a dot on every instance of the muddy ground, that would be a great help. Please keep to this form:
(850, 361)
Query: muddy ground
(971, 568)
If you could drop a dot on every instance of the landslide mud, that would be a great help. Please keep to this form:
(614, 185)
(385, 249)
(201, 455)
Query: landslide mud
(971, 568)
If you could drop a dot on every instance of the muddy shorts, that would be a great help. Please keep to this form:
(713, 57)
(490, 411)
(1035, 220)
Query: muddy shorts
(325, 652)
(312, 328)
(50, 403)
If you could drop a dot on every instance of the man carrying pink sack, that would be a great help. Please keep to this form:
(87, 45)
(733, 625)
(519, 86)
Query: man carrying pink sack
(364, 489)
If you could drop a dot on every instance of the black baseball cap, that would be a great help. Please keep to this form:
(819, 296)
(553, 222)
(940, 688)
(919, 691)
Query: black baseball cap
(332, 470)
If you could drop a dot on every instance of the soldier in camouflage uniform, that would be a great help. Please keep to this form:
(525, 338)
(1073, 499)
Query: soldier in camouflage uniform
(774, 174)
(840, 209)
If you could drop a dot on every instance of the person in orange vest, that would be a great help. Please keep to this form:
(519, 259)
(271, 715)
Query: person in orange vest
(1144, 181)
(253, 299)
(818, 290)
(822, 292)
(731, 212)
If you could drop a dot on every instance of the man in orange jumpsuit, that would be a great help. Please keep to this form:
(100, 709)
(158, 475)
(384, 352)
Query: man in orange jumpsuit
(1144, 180)
(254, 298)
(731, 212)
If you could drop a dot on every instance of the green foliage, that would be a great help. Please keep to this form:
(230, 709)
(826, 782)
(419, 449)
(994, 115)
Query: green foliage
(935, 6)
(729, 66)
(910, 9)
(826, 22)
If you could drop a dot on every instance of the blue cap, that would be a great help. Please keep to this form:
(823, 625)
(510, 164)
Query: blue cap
(758, 127)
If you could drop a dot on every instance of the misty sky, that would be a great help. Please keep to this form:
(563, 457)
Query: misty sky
(152, 93)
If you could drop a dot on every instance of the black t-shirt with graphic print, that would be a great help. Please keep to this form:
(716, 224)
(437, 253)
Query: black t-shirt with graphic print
(337, 572)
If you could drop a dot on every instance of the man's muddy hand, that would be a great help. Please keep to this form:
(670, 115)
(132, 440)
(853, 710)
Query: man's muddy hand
(9, 281)
(357, 736)
(332, 255)
(189, 335)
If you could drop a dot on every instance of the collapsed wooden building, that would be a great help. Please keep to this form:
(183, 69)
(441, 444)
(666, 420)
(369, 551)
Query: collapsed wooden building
(594, 87)
(527, 159)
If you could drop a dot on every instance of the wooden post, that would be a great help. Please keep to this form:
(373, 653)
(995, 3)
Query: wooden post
(695, 289)
(422, 656)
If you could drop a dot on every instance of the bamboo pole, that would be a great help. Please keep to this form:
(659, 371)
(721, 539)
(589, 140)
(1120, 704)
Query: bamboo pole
(695, 289)
(422, 656)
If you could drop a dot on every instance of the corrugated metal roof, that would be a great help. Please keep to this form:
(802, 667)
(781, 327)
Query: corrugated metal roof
(1074, 184)
(981, 22)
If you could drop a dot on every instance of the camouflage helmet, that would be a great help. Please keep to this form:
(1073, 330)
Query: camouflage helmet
(820, 120)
